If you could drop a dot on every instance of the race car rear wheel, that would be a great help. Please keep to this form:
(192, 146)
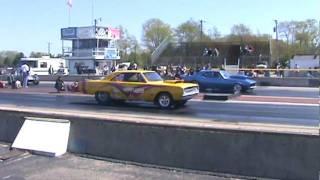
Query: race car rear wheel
(103, 98)
(164, 100)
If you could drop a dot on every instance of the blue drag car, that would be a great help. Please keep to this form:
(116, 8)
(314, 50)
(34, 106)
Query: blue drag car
(221, 81)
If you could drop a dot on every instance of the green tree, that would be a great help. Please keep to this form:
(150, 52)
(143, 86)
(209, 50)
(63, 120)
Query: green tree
(154, 32)
(188, 31)
(240, 32)
(17, 58)
(8, 58)
(128, 44)
(306, 32)
(6, 61)
(37, 54)
(286, 30)
(214, 33)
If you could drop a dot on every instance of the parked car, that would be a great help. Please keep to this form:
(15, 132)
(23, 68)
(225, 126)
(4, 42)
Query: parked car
(261, 66)
(221, 81)
(140, 85)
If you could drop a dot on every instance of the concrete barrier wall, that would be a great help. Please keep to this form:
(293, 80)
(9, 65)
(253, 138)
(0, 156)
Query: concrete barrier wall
(291, 82)
(10, 124)
(272, 155)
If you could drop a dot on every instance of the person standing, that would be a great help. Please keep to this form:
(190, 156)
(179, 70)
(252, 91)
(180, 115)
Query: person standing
(51, 70)
(25, 69)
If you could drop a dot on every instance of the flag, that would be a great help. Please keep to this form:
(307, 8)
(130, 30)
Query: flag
(69, 3)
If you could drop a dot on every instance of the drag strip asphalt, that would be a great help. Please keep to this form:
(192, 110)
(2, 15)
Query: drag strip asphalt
(229, 111)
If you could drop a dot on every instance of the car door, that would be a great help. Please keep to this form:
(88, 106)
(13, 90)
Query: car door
(135, 87)
(222, 84)
(119, 88)
(124, 84)
(208, 82)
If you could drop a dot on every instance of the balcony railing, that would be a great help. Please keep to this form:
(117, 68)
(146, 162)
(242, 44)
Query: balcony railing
(106, 53)
(97, 53)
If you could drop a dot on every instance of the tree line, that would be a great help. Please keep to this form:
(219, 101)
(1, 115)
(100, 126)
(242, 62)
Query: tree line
(295, 37)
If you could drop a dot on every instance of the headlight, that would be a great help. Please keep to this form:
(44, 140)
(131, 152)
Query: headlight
(190, 91)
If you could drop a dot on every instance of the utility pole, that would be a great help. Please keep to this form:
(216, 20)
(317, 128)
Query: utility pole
(95, 29)
(49, 48)
(135, 53)
(319, 42)
(201, 29)
(277, 43)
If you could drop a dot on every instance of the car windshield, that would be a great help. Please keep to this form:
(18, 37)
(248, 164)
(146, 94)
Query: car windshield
(153, 76)
(225, 74)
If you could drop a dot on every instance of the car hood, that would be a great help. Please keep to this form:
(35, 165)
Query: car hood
(243, 77)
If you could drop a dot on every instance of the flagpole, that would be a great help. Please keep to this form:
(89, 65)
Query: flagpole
(69, 3)
(92, 12)
(69, 16)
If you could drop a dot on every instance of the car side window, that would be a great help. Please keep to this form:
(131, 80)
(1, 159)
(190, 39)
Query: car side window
(140, 78)
(207, 74)
(119, 77)
(216, 75)
(129, 77)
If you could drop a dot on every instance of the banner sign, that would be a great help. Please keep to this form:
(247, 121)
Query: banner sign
(69, 33)
(112, 54)
(86, 32)
(113, 33)
(102, 33)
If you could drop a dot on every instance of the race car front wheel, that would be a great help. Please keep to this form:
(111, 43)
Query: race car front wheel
(237, 88)
(103, 98)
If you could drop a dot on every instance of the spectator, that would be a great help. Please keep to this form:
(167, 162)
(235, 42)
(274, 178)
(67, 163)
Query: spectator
(205, 52)
(113, 69)
(296, 67)
(25, 69)
(59, 85)
(216, 52)
(191, 72)
(210, 52)
(50, 70)
(74, 87)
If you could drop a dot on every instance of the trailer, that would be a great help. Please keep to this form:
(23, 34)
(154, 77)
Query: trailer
(46, 66)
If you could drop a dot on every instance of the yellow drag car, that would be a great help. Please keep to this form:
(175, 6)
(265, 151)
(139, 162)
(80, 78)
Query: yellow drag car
(136, 85)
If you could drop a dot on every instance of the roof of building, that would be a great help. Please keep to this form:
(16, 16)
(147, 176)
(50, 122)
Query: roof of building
(304, 57)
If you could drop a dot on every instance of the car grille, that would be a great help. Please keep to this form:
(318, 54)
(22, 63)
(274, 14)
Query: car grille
(253, 84)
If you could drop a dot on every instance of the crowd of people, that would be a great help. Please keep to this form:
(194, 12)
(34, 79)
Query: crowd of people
(211, 52)
(167, 72)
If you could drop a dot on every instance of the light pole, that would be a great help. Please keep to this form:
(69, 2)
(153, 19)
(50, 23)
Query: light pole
(49, 48)
(275, 29)
(201, 29)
